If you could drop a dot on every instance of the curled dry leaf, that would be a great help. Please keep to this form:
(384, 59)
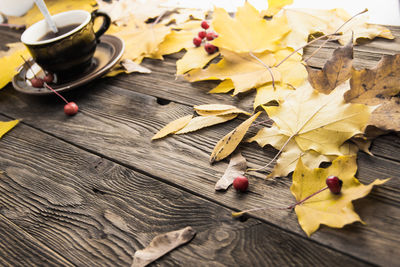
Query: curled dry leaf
(229, 142)
(379, 86)
(237, 166)
(335, 71)
(173, 127)
(327, 208)
(218, 109)
(127, 66)
(6, 126)
(201, 122)
(161, 245)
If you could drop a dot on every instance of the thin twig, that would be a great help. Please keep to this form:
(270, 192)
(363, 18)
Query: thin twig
(54, 91)
(310, 42)
(29, 66)
(338, 29)
(266, 66)
(272, 160)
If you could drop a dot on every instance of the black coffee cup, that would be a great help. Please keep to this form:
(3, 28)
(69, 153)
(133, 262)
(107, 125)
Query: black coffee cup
(70, 52)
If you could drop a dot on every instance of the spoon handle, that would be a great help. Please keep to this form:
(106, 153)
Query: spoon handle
(43, 8)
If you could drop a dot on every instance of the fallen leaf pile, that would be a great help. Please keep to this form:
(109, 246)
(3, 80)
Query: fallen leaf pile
(318, 115)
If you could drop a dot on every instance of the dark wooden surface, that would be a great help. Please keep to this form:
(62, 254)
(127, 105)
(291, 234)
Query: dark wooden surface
(90, 190)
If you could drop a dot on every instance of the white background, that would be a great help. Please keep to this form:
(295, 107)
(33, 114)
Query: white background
(385, 12)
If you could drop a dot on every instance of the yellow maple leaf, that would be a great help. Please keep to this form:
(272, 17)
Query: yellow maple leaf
(173, 127)
(6, 126)
(10, 61)
(229, 142)
(248, 31)
(309, 21)
(223, 87)
(317, 121)
(244, 71)
(293, 74)
(54, 6)
(267, 93)
(194, 58)
(274, 6)
(327, 208)
(141, 39)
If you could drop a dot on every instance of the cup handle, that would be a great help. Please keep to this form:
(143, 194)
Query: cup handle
(106, 23)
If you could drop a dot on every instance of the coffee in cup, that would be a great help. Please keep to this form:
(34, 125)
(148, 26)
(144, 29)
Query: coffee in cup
(70, 50)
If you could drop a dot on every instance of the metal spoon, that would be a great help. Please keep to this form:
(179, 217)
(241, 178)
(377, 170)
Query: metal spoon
(43, 8)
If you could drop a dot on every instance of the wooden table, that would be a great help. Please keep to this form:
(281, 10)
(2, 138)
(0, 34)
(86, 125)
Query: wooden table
(91, 189)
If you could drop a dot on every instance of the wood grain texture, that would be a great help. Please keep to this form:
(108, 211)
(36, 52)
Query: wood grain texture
(118, 124)
(98, 213)
(122, 132)
(18, 248)
(365, 56)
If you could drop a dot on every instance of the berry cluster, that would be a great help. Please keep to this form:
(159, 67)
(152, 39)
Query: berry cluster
(70, 108)
(206, 36)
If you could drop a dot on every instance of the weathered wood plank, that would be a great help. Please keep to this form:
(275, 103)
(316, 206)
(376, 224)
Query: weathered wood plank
(118, 124)
(97, 213)
(17, 248)
(365, 56)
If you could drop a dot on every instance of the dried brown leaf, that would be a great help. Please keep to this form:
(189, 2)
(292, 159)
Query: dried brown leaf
(335, 71)
(379, 86)
(237, 166)
(161, 245)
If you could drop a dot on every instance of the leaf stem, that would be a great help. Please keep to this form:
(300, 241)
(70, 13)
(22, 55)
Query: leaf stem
(301, 47)
(29, 66)
(12, 26)
(54, 91)
(240, 213)
(266, 66)
(272, 160)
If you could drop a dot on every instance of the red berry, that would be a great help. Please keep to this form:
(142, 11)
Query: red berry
(37, 82)
(241, 183)
(334, 184)
(202, 34)
(210, 36)
(215, 35)
(48, 78)
(71, 108)
(205, 25)
(210, 48)
(197, 41)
